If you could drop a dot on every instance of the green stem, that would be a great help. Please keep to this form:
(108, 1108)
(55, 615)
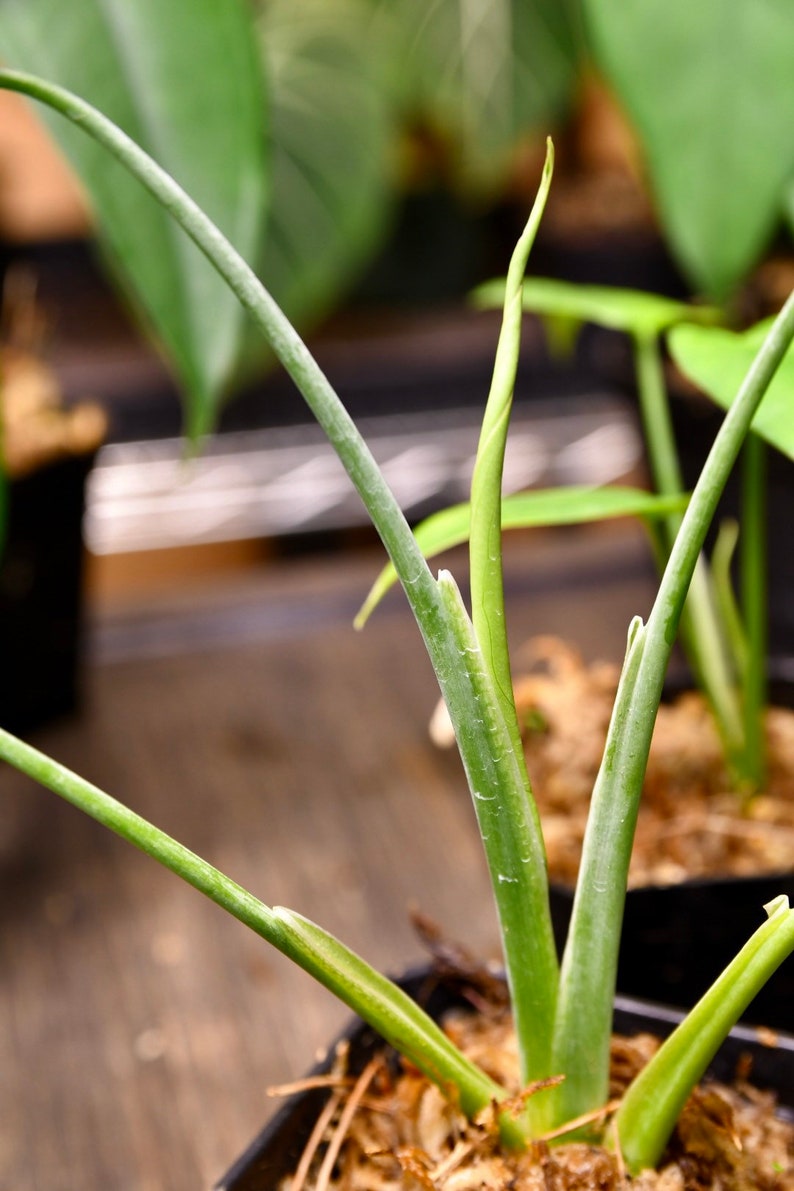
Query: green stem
(657, 423)
(589, 963)
(702, 635)
(754, 606)
(377, 1000)
(517, 865)
(722, 573)
(509, 821)
(653, 1102)
(590, 958)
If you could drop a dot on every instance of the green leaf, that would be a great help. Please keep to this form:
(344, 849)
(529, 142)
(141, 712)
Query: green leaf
(394, 1015)
(717, 361)
(680, 1062)
(528, 510)
(487, 76)
(590, 957)
(710, 90)
(379, 1001)
(489, 631)
(182, 78)
(641, 314)
(332, 130)
(513, 841)
(485, 538)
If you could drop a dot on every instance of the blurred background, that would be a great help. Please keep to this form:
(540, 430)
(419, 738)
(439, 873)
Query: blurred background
(374, 161)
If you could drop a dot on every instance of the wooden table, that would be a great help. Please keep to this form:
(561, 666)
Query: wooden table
(140, 1030)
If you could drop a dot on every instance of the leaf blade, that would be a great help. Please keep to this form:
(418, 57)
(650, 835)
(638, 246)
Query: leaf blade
(636, 312)
(714, 127)
(717, 361)
(147, 66)
(545, 507)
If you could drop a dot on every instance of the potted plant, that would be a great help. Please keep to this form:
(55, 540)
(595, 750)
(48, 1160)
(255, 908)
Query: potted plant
(562, 1014)
(709, 814)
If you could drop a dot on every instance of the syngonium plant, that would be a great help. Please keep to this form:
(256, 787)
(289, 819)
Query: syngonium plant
(562, 1011)
(724, 637)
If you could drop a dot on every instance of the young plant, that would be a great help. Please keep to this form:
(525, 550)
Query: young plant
(563, 1014)
(725, 646)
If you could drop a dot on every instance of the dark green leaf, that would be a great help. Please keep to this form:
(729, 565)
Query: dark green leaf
(488, 75)
(709, 87)
(182, 78)
(331, 139)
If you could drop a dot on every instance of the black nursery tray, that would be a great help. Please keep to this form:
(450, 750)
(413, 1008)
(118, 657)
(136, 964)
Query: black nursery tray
(41, 594)
(275, 1153)
(676, 940)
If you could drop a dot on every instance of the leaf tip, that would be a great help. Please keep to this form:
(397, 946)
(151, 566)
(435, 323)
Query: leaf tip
(778, 905)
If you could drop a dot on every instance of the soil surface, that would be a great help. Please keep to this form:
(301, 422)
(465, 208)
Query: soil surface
(691, 822)
(385, 1131)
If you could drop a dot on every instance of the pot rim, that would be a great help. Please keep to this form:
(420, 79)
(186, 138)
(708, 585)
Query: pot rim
(635, 1013)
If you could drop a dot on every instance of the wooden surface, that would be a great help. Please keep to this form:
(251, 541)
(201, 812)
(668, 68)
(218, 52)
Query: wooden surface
(139, 1029)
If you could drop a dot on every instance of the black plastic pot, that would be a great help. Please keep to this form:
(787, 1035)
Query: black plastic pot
(275, 1153)
(41, 587)
(677, 938)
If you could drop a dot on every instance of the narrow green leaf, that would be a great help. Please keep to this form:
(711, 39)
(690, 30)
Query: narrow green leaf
(378, 1000)
(702, 635)
(589, 962)
(485, 542)
(717, 360)
(653, 1102)
(182, 79)
(393, 1014)
(722, 556)
(636, 312)
(513, 841)
(755, 603)
(710, 90)
(544, 507)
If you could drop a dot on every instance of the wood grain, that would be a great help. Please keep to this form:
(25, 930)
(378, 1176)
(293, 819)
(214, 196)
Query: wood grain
(139, 1030)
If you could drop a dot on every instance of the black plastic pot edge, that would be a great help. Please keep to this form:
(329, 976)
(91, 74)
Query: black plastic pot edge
(276, 1151)
(677, 938)
(41, 594)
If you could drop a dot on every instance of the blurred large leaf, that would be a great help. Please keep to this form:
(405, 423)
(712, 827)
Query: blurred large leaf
(332, 134)
(574, 505)
(718, 361)
(709, 86)
(182, 78)
(486, 73)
